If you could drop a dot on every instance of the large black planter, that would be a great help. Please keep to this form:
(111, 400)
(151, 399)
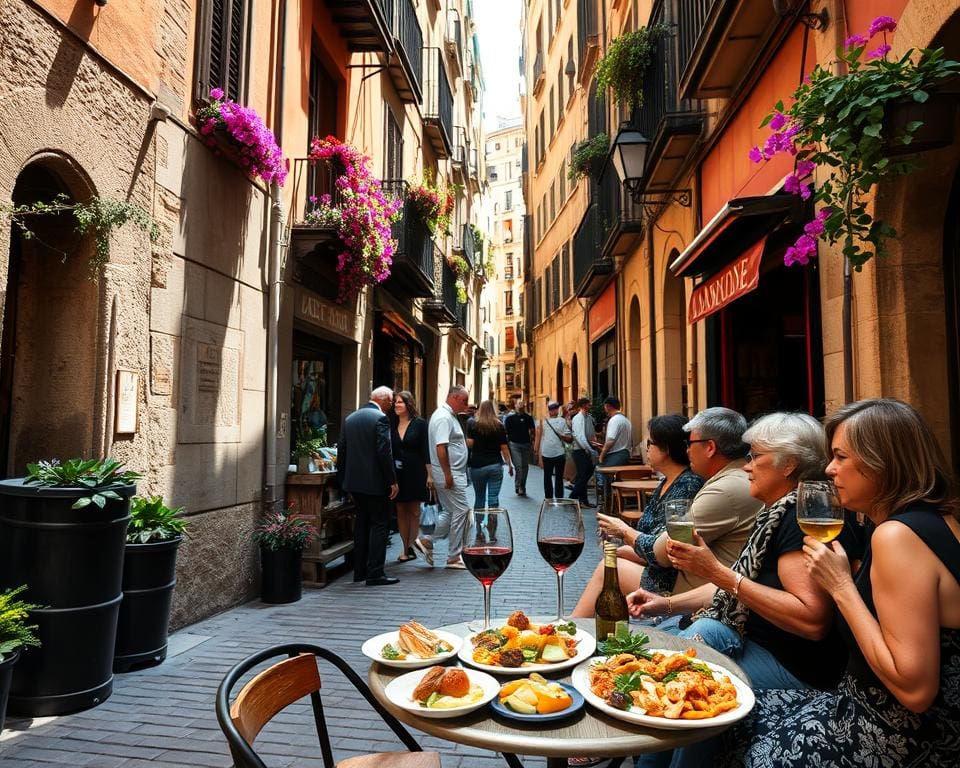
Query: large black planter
(149, 576)
(72, 560)
(281, 575)
(938, 115)
(6, 677)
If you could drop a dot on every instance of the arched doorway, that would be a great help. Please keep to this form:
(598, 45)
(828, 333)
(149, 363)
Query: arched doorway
(574, 378)
(674, 347)
(560, 398)
(50, 404)
(634, 399)
(951, 289)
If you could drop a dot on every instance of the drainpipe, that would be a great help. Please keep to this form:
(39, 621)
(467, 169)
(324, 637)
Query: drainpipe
(652, 312)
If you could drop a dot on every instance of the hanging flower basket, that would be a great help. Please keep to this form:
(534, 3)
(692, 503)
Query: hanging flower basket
(433, 205)
(930, 124)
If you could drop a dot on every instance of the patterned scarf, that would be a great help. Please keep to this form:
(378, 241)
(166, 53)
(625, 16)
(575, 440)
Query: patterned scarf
(726, 608)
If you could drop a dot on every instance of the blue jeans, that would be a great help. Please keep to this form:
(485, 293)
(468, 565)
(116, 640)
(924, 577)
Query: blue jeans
(486, 491)
(756, 661)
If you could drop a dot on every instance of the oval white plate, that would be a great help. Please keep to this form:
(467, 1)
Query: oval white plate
(400, 689)
(585, 648)
(581, 681)
(372, 647)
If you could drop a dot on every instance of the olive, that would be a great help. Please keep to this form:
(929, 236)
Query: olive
(619, 700)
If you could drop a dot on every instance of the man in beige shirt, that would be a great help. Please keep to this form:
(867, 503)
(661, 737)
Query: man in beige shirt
(723, 510)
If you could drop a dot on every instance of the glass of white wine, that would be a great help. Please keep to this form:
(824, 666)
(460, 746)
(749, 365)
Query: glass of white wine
(819, 513)
(679, 519)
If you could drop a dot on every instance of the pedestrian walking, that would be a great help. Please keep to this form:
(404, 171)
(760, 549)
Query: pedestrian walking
(552, 434)
(487, 440)
(584, 454)
(366, 471)
(521, 430)
(615, 451)
(411, 458)
(448, 466)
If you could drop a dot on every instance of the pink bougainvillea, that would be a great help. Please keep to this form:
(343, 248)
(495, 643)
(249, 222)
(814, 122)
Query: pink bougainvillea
(260, 156)
(366, 214)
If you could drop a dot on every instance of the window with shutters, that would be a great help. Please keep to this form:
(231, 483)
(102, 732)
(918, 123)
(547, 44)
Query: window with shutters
(565, 267)
(555, 282)
(394, 159)
(508, 302)
(548, 294)
(222, 48)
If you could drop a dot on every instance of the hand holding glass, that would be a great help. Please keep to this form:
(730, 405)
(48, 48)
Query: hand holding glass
(679, 520)
(560, 539)
(487, 562)
(819, 513)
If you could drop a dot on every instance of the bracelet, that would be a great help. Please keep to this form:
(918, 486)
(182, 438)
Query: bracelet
(736, 585)
(669, 606)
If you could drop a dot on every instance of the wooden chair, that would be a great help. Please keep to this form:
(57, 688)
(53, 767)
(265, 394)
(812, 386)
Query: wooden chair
(287, 681)
(635, 474)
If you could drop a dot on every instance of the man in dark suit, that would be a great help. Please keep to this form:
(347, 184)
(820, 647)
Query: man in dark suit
(366, 471)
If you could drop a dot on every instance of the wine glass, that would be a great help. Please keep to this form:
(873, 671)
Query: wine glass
(560, 539)
(679, 520)
(819, 513)
(488, 561)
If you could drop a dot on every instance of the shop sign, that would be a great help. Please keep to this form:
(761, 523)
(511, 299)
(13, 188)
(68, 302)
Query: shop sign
(733, 281)
(339, 320)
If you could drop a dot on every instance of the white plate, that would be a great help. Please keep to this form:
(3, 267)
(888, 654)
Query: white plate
(372, 647)
(400, 689)
(585, 648)
(581, 681)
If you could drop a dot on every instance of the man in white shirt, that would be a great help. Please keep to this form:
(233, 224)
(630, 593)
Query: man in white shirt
(615, 451)
(448, 460)
(584, 456)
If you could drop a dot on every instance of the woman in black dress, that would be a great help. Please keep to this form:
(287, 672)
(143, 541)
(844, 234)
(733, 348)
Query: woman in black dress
(411, 453)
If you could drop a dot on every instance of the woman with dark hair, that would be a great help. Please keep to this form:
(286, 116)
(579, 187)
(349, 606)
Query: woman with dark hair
(899, 700)
(411, 453)
(636, 563)
(489, 451)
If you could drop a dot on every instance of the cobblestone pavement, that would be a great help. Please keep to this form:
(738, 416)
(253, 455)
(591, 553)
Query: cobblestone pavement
(164, 716)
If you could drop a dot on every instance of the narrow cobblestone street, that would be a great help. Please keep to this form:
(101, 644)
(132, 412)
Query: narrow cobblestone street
(164, 716)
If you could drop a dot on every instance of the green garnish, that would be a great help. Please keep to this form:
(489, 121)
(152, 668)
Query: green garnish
(570, 628)
(627, 682)
(389, 652)
(694, 666)
(431, 700)
(625, 641)
(529, 654)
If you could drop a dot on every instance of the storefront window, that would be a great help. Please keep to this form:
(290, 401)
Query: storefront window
(315, 390)
(605, 366)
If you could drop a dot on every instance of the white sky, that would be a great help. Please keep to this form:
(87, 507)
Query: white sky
(498, 29)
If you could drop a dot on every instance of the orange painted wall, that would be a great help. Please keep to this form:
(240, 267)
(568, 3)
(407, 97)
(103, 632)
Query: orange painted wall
(861, 12)
(125, 32)
(727, 172)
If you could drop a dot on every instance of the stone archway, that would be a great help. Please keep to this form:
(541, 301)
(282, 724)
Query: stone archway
(673, 348)
(634, 394)
(560, 395)
(50, 401)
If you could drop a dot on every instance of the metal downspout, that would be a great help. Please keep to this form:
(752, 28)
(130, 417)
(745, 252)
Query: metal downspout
(652, 314)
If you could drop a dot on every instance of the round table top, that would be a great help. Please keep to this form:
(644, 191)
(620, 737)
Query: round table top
(622, 468)
(636, 485)
(588, 732)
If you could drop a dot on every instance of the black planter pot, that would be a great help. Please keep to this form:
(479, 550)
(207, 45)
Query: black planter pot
(149, 576)
(72, 562)
(281, 575)
(6, 677)
(938, 115)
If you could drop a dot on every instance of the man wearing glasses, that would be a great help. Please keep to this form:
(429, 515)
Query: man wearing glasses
(723, 510)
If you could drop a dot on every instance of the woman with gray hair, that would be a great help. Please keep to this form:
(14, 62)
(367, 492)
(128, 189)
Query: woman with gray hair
(766, 611)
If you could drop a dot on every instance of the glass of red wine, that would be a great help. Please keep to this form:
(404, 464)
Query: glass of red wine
(486, 560)
(560, 539)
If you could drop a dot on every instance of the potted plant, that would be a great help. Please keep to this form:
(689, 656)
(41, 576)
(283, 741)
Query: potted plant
(308, 450)
(846, 125)
(149, 576)
(461, 270)
(282, 536)
(433, 205)
(624, 64)
(62, 531)
(15, 635)
(588, 158)
(364, 218)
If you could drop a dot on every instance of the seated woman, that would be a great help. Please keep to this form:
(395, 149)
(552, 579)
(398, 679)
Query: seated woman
(898, 702)
(765, 611)
(667, 454)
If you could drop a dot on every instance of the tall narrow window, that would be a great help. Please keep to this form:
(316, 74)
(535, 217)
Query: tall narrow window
(508, 203)
(394, 159)
(221, 47)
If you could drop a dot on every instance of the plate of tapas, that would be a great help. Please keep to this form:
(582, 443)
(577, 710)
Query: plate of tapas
(412, 646)
(520, 646)
(664, 689)
(441, 692)
(534, 699)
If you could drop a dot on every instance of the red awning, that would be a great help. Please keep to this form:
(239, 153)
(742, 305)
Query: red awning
(738, 278)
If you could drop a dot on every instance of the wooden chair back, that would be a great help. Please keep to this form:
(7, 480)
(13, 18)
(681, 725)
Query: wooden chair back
(272, 691)
(635, 474)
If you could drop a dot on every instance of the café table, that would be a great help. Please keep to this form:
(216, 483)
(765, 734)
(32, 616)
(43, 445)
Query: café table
(637, 488)
(612, 474)
(586, 733)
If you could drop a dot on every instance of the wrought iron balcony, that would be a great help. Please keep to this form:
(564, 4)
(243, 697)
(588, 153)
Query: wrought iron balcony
(469, 246)
(459, 153)
(310, 229)
(364, 24)
(588, 37)
(590, 266)
(413, 259)
(437, 102)
(620, 219)
(443, 305)
(406, 58)
(539, 77)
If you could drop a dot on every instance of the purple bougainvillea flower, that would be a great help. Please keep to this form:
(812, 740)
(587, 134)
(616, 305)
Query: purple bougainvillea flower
(791, 184)
(805, 191)
(882, 24)
(755, 154)
(778, 121)
(216, 94)
(805, 168)
(855, 41)
(880, 52)
(813, 228)
(825, 213)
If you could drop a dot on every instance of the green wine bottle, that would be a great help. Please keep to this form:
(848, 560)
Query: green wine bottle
(611, 605)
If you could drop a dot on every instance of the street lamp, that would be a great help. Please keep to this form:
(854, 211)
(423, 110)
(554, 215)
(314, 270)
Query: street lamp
(629, 159)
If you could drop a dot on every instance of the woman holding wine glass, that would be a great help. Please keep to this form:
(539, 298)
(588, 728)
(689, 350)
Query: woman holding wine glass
(897, 703)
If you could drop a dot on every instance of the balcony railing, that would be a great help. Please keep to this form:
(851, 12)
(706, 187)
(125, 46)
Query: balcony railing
(469, 249)
(464, 314)
(364, 24)
(459, 153)
(620, 219)
(590, 267)
(437, 102)
(443, 305)
(406, 61)
(588, 35)
(690, 25)
(538, 74)
(413, 259)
